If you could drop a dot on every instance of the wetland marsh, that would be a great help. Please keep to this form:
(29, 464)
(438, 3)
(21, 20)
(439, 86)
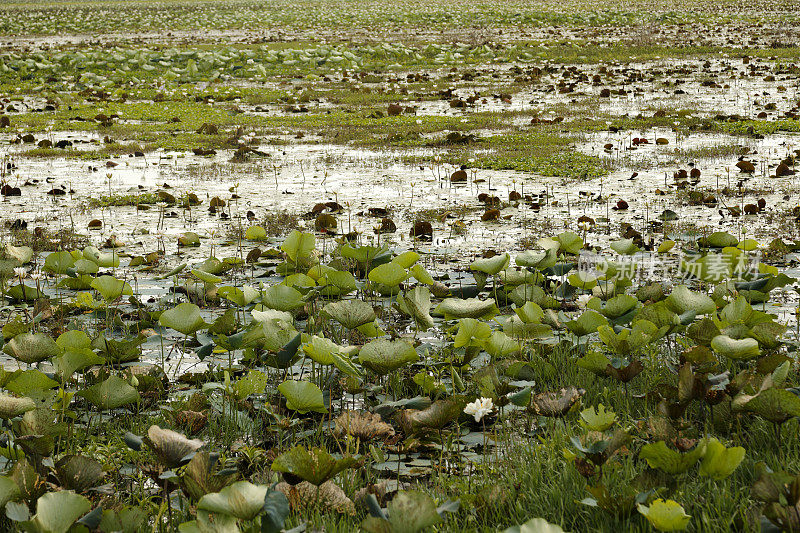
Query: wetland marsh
(399, 267)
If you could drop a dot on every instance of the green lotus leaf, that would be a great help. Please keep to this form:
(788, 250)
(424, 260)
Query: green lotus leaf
(768, 334)
(659, 314)
(78, 472)
(533, 293)
(119, 350)
(56, 512)
(206, 277)
(302, 396)
(278, 335)
(665, 515)
(471, 332)
(587, 323)
(518, 329)
(315, 466)
(501, 345)
(112, 393)
(597, 419)
(406, 259)
(367, 254)
(12, 407)
(569, 243)
(434, 417)
(682, 300)
(389, 274)
(624, 247)
(383, 355)
(535, 525)
(242, 500)
(721, 239)
(283, 298)
(741, 349)
(298, 245)
(614, 307)
(282, 318)
(538, 259)
(773, 404)
(240, 296)
(9, 491)
(58, 263)
(703, 331)
(189, 239)
(337, 283)
(199, 477)
(350, 313)
(32, 347)
(582, 280)
(409, 512)
(628, 340)
(747, 245)
(101, 259)
(318, 271)
(719, 462)
(111, 288)
(255, 233)
(174, 272)
(299, 281)
(26, 293)
(74, 340)
(84, 266)
(491, 265)
(22, 254)
(594, 362)
(470, 308)
(184, 318)
(343, 362)
(214, 266)
(659, 456)
(73, 360)
(321, 350)
(254, 382)
(511, 277)
(417, 304)
(421, 275)
(27, 382)
(529, 313)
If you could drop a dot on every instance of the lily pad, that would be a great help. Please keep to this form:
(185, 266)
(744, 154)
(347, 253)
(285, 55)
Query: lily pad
(302, 396)
(665, 515)
(659, 456)
(741, 349)
(350, 313)
(383, 356)
(719, 462)
(32, 347)
(56, 512)
(242, 500)
(315, 466)
(112, 393)
(469, 308)
(184, 318)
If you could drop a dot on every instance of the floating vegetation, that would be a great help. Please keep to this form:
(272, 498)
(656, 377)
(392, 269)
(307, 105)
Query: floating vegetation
(399, 266)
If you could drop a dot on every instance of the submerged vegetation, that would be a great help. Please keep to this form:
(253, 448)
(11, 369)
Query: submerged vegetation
(399, 267)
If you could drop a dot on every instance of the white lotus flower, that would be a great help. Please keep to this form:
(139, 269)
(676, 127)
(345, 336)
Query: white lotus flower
(479, 408)
(583, 299)
(20, 272)
(36, 276)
